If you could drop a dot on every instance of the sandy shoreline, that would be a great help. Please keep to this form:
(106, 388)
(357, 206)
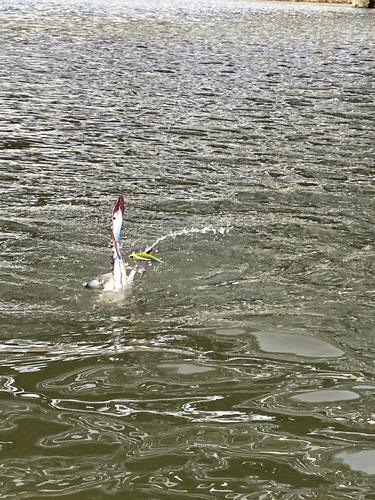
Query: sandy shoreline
(342, 2)
(355, 3)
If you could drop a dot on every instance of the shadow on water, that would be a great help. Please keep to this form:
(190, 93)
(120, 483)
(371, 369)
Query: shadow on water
(239, 135)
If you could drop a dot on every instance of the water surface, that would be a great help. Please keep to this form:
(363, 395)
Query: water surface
(241, 136)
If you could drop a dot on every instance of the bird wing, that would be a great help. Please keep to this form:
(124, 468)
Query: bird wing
(117, 263)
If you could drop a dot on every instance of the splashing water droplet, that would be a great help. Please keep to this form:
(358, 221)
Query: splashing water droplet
(203, 230)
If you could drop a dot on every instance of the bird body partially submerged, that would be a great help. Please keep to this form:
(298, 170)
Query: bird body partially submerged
(118, 279)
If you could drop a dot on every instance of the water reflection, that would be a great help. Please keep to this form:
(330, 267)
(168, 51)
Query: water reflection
(238, 134)
(298, 345)
(325, 395)
(362, 460)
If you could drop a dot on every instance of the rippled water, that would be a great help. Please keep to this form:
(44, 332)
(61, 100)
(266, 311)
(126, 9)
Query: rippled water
(242, 138)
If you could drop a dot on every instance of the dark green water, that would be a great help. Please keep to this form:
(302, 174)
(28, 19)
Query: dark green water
(242, 138)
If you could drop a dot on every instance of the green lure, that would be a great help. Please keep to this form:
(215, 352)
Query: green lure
(144, 256)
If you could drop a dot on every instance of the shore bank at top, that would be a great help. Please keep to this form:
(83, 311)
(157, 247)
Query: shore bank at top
(354, 3)
(343, 2)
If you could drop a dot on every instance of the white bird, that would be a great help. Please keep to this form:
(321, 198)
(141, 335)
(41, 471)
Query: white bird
(117, 279)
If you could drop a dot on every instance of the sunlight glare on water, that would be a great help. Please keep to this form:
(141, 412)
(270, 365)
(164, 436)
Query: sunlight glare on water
(241, 136)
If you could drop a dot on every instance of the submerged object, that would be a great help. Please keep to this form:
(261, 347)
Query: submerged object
(117, 279)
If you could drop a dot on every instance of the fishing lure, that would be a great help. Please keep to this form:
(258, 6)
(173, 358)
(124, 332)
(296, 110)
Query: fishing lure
(145, 256)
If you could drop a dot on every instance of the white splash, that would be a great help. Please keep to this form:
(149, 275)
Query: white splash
(203, 230)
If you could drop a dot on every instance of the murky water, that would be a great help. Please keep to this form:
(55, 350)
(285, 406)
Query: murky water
(242, 138)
